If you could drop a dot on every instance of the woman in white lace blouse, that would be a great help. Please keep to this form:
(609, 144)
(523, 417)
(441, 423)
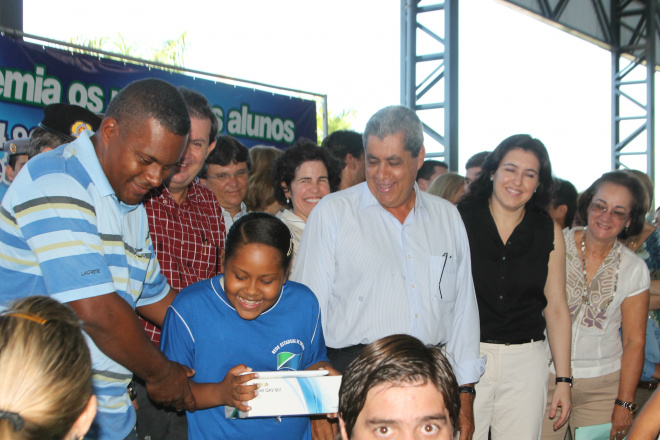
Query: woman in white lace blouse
(607, 287)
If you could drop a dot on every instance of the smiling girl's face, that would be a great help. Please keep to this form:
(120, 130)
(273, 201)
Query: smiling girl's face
(253, 279)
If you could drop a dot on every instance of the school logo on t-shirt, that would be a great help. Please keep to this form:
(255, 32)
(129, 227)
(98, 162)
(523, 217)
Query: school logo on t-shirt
(288, 361)
(285, 354)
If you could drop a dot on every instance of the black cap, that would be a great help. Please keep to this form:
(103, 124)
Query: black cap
(15, 147)
(68, 120)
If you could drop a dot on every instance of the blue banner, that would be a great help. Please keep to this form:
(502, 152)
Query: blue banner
(33, 76)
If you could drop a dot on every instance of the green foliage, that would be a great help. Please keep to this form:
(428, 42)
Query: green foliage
(336, 121)
(171, 52)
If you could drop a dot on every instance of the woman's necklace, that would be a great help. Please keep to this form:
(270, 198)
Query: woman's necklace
(586, 298)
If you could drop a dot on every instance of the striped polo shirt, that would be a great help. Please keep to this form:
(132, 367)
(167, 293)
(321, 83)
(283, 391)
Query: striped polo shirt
(64, 234)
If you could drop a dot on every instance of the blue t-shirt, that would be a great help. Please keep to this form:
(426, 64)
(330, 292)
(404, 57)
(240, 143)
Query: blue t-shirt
(203, 331)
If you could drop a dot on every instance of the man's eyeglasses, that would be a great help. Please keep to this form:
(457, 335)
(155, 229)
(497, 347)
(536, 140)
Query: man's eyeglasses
(240, 174)
(600, 209)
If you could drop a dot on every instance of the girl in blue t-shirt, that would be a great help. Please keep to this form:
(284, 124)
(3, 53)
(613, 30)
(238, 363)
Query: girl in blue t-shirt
(249, 319)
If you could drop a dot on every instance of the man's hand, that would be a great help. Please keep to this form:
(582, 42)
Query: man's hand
(621, 421)
(172, 387)
(466, 416)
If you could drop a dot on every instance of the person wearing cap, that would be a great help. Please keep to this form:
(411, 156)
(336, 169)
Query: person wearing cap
(62, 123)
(72, 227)
(18, 156)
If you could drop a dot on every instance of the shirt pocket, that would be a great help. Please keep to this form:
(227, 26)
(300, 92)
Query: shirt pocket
(442, 274)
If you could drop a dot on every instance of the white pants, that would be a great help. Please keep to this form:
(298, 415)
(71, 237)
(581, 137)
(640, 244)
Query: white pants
(512, 392)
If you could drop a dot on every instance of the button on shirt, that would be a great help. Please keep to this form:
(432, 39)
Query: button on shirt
(188, 238)
(376, 277)
(509, 277)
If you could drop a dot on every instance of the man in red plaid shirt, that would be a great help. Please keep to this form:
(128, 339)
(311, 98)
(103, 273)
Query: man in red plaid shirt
(188, 235)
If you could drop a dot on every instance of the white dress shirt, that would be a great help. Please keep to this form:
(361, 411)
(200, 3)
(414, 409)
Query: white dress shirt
(227, 216)
(374, 276)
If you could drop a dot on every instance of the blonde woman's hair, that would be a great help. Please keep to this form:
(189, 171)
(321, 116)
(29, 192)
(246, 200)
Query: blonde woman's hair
(260, 193)
(446, 185)
(45, 370)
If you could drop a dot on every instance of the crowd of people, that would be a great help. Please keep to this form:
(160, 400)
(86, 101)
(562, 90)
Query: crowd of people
(500, 304)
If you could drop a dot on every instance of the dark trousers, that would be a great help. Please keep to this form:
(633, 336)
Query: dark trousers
(156, 423)
(340, 358)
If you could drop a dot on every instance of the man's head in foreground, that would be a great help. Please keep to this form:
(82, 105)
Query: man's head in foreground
(142, 137)
(397, 388)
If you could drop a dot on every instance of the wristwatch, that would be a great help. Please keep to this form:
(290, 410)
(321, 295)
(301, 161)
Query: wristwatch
(630, 406)
(568, 380)
(467, 389)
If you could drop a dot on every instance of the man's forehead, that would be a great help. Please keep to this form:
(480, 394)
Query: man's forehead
(390, 147)
(231, 165)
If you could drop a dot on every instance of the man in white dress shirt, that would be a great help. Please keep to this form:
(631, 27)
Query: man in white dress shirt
(385, 258)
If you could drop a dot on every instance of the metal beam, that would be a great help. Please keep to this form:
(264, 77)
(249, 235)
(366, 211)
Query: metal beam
(629, 29)
(634, 37)
(429, 71)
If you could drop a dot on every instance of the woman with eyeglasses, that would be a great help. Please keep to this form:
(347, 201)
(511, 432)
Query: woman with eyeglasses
(301, 177)
(607, 287)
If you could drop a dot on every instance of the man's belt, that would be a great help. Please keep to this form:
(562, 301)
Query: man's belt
(647, 385)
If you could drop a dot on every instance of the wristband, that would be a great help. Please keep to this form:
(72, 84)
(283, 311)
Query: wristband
(467, 390)
(568, 380)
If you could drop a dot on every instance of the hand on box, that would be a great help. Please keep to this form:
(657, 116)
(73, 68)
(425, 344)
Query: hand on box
(232, 390)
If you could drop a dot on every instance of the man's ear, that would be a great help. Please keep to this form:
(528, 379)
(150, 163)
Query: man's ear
(108, 130)
(211, 147)
(9, 171)
(420, 157)
(342, 429)
(351, 161)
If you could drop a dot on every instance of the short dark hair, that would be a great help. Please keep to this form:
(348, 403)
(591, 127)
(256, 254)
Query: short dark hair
(343, 142)
(11, 162)
(565, 194)
(199, 108)
(482, 188)
(394, 119)
(476, 160)
(151, 98)
(260, 228)
(637, 210)
(227, 150)
(428, 168)
(285, 166)
(396, 360)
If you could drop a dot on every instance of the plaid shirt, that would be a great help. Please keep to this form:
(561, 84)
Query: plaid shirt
(188, 239)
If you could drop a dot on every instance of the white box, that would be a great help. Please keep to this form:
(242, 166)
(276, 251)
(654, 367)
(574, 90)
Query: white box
(291, 396)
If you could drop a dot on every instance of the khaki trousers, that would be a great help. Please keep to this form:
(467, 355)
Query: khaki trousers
(593, 403)
(512, 391)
